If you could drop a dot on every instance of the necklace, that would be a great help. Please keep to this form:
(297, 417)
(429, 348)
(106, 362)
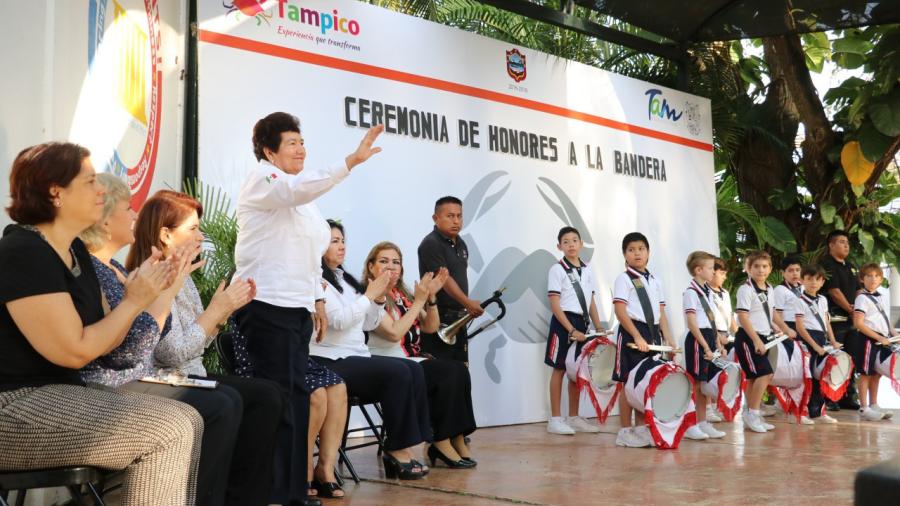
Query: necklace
(76, 268)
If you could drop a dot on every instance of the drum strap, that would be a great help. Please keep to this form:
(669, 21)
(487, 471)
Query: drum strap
(704, 301)
(877, 304)
(763, 298)
(647, 308)
(576, 285)
(814, 308)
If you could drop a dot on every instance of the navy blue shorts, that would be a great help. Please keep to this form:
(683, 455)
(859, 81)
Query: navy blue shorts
(753, 364)
(867, 353)
(697, 366)
(814, 358)
(558, 341)
(627, 358)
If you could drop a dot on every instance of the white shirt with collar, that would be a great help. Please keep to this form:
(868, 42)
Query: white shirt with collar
(349, 315)
(873, 311)
(785, 298)
(624, 292)
(282, 235)
(808, 307)
(722, 309)
(750, 300)
(558, 283)
(691, 303)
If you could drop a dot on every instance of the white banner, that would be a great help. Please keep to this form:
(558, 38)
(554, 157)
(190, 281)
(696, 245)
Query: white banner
(529, 141)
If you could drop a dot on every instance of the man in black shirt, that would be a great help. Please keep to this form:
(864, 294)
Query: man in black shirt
(444, 248)
(840, 291)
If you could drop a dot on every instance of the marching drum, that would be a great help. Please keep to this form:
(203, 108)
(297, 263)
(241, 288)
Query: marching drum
(791, 382)
(726, 388)
(886, 365)
(833, 372)
(592, 370)
(664, 393)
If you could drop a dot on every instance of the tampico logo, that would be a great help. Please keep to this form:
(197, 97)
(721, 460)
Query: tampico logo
(658, 106)
(249, 8)
(515, 65)
(326, 22)
(122, 99)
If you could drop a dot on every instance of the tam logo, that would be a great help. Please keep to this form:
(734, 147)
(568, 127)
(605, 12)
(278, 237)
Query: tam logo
(658, 106)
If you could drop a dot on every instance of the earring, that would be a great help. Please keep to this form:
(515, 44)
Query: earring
(56, 202)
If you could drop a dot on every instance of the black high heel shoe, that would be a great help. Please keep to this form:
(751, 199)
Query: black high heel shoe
(469, 459)
(394, 469)
(327, 489)
(436, 455)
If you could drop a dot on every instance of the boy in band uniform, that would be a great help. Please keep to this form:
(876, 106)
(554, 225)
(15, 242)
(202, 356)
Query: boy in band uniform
(813, 325)
(870, 317)
(640, 308)
(726, 323)
(754, 311)
(570, 288)
(786, 294)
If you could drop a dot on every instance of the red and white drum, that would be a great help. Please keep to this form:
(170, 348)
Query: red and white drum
(726, 388)
(886, 365)
(834, 373)
(592, 372)
(665, 394)
(792, 382)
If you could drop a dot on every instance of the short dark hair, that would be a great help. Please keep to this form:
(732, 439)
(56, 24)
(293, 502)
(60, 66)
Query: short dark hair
(446, 200)
(834, 234)
(634, 237)
(812, 270)
(267, 132)
(34, 171)
(567, 230)
(720, 265)
(789, 261)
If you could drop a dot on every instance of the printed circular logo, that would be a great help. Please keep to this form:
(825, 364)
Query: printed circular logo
(118, 112)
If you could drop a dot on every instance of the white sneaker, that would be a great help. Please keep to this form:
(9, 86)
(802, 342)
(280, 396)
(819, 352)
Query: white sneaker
(695, 433)
(710, 431)
(579, 424)
(627, 438)
(871, 415)
(643, 432)
(768, 410)
(752, 422)
(804, 420)
(557, 425)
(826, 419)
(888, 414)
(713, 415)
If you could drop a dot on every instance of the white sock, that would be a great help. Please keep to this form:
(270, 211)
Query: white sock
(754, 412)
(556, 418)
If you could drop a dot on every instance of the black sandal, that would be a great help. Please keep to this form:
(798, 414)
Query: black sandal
(327, 489)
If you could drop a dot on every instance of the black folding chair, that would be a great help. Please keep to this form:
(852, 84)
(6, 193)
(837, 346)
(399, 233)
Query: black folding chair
(73, 478)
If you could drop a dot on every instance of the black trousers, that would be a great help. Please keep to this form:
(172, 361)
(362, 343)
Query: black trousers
(250, 476)
(845, 334)
(399, 385)
(433, 345)
(221, 410)
(449, 398)
(278, 347)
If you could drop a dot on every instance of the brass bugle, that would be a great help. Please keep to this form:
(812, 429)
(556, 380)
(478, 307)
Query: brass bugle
(448, 333)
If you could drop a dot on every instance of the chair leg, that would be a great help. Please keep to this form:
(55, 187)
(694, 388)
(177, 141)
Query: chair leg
(76, 495)
(20, 497)
(98, 499)
(346, 460)
(338, 477)
(379, 436)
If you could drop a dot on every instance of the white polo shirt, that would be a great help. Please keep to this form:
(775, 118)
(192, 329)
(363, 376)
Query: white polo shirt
(722, 310)
(624, 292)
(282, 235)
(874, 320)
(784, 301)
(559, 283)
(753, 301)
(349, 314)
(808, 307)
(692, 305)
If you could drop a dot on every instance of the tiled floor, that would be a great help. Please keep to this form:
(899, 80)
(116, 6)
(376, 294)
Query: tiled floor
(522, 464)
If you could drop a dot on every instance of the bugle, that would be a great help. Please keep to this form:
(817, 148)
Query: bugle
(448, 333)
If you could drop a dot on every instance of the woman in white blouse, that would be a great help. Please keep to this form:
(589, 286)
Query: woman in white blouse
(281, 239)
(399, 334)
(399, 385)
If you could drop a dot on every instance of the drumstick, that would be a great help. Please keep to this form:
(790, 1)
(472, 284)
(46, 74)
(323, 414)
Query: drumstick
(656, 347)
(774, 342)
(838, 318)
(591, 335)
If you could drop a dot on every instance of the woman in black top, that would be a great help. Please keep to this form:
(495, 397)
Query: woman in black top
(47, 417)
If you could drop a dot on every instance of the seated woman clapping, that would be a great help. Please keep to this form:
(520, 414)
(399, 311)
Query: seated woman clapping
(399, 385)
(48, 417)
(400, 335)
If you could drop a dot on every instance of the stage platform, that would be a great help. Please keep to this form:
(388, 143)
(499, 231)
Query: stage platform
(523, 464)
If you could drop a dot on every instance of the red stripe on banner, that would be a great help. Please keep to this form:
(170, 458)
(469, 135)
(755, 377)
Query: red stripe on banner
(254, 46)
